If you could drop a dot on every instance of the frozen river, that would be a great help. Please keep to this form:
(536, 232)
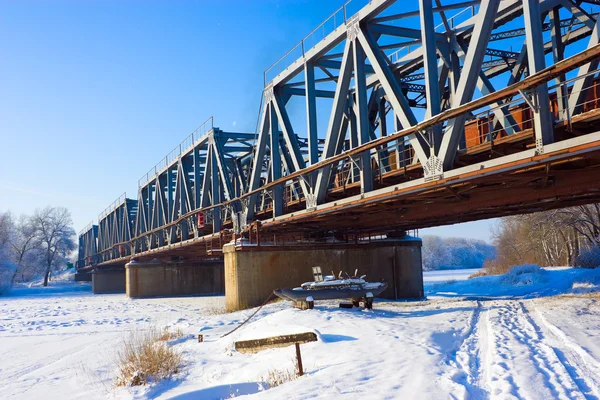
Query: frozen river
(448, 275)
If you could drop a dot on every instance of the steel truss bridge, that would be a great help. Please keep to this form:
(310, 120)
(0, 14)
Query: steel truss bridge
(416, 114)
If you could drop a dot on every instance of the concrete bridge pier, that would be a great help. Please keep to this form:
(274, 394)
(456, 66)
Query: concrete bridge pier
(159, 278)
(253, 272)
(108, 280)
(83, 276)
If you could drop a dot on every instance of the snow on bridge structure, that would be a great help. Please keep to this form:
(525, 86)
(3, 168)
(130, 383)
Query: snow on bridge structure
(416, 114)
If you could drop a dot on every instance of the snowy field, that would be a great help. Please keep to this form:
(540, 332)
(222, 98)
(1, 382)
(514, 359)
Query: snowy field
(534, 335)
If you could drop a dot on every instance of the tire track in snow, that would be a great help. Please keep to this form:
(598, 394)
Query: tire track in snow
(581, 366)
(498, 375)
(466, 360)
(49, 361)
(517, 324)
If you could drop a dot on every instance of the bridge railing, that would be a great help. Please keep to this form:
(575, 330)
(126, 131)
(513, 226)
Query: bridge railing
(87, 228)
(115, 204)
(330, 24)
(182, 148)
(485, 126)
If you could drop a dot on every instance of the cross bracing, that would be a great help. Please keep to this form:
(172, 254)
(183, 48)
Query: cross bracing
(395, 93)
(88, 245)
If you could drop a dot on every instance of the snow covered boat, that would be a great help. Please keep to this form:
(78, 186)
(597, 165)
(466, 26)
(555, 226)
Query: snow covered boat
(332, 288)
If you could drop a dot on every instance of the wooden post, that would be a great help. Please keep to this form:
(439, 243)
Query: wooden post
(299, 357)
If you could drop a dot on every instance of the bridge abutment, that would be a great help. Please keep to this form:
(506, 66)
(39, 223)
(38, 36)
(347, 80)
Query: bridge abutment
(253, 272)
(163, 279)
(108, 281)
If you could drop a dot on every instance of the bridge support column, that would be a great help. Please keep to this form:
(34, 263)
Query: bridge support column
(252, 273)
(83, 277)
(163, 279)
(108, 281)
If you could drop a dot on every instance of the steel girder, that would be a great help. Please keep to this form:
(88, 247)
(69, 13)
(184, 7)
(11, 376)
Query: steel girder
(213, 168)
(452, 57)
(88, 246)
(116, 226)
(377, 74)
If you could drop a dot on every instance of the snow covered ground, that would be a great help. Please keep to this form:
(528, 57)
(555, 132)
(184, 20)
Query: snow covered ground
(528, 335)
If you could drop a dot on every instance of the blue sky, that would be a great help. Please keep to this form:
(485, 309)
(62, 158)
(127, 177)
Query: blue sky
(94, 93)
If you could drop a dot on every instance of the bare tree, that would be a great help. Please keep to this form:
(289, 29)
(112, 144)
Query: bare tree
(585, 220)
(548, 238)
(55, 233)
(24, 241)
(6, 231)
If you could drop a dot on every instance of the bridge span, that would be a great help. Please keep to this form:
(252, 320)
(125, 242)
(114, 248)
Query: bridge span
(412, 118)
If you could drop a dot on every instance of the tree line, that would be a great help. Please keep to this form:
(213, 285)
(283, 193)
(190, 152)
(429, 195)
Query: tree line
(563, 237)
(33, 246)
(454, 252)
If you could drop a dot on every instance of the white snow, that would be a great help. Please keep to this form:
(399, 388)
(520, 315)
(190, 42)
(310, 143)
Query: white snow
(532, 335)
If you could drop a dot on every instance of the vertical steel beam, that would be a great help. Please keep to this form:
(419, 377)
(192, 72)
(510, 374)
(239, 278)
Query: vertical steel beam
(222, 168)
(311, 113)
(430, 64)
(290, 138)
(558, 53)
(454, 74)
(170, 189)
(197, 185)
(183, 197)
(542, 118)
(581, 85)
(177, 200)
(335, 120)
(360, 86)
(484, 24)
(275, 160)
(382, 116)
(241, 179)
(215, 189)
(206, 200)
(353, 123)
(160, 202)
(259, 154)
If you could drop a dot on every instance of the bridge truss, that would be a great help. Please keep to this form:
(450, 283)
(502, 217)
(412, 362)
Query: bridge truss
(411, 118)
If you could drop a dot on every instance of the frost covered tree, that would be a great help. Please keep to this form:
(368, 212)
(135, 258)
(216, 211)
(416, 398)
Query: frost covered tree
(6, 231)
(455, 253)
(25, 245)
(549, 238)
(434, 252)
(6, 266)
(53, 226)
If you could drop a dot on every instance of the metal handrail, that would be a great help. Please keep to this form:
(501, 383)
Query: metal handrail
(114, 205)
(86, 229)
(188, 142)
(302, 42)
